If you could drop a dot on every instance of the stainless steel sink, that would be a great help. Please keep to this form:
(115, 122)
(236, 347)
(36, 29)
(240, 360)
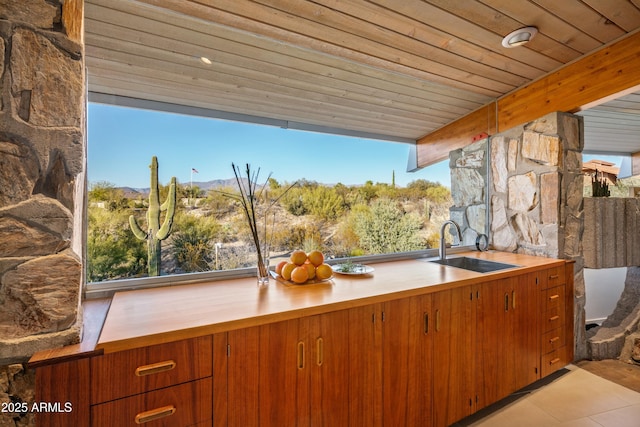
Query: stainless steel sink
(474, 264)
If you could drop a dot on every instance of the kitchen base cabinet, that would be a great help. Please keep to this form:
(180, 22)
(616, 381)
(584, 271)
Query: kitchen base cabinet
(290, 373)
(407, 362)
(454, 388)
(415, 358)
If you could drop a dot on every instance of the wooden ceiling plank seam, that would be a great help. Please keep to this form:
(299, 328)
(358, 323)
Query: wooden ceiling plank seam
(348, 67)
(623, 14)
(336, 20)
(460, 28)
(413, 103)
(501, 24)
(235, 81)
(417, 30)
(554, 27)
(280, 25)
(585, 18)
(313, 104)
(261, 75)
(292, 114)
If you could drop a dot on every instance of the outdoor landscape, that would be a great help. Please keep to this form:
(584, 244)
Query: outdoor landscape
(210, 231)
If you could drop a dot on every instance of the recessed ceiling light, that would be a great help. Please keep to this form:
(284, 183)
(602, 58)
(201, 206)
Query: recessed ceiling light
(519, 37)
(205, 60)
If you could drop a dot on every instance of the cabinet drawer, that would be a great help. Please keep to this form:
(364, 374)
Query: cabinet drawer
(552, 319)
(553, 277)
(553, 340)
(554, 298)
(130, 372)
(554, 360)
(186, 404)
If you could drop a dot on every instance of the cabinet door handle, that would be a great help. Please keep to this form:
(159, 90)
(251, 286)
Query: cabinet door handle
(426, 323)
(155, 368)
(437, 320)
(506, 302)
(301, 355)
(513, 300)
(319, 351)
(154, 414)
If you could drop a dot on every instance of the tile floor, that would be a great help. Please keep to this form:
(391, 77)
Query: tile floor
(576, 399)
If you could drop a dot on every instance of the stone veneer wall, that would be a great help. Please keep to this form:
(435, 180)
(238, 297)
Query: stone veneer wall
(42, 182)
(468, 167)
(536, 197)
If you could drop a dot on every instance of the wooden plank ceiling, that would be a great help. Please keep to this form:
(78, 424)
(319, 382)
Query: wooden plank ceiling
(394, 69)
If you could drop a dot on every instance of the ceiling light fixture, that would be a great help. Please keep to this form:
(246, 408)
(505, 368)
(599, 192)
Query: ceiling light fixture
(205, 60)
(519, 37)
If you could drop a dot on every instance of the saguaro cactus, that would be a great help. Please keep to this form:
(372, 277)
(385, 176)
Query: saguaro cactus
(155, 233)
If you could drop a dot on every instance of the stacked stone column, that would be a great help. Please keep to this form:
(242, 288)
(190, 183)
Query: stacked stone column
(42, 182)
(536, 197)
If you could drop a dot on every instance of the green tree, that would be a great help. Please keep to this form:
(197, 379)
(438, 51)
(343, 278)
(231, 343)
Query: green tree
(385, 228)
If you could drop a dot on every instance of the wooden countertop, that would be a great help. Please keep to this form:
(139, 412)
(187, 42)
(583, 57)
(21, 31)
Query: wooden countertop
(153, 316)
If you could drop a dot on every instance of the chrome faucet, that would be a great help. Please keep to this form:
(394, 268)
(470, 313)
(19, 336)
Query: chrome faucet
(442, 250)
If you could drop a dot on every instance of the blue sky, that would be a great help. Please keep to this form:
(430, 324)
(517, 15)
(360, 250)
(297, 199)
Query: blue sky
(123, 140)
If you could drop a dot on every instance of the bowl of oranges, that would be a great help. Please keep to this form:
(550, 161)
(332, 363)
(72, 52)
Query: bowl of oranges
(304, 268)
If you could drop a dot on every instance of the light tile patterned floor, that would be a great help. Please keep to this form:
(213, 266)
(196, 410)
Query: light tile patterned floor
(576, 399)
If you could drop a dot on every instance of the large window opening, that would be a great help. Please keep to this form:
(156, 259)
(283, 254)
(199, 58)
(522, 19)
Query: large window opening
(352, 196)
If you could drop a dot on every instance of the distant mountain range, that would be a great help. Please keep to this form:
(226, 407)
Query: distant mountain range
(133, 193)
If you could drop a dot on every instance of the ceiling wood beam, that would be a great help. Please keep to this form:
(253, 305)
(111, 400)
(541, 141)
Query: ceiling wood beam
(579, 85)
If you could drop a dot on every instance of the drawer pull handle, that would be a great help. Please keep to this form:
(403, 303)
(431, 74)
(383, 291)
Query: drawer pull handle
(319, 351)
(155, 414)
(426, 323)
(155, 368)
(553, 277)
(554, 318)
(552, 297)
(554, 361)
(301, 355)
(554, 339)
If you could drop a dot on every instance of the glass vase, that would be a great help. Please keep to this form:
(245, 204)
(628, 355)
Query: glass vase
(263, 271)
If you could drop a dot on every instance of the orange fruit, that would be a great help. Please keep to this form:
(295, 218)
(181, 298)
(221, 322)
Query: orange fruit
(298, 257)
(279, 267)
(311, 270)
(287, 270)
(323, 271)
(300, 274)
(316, 258)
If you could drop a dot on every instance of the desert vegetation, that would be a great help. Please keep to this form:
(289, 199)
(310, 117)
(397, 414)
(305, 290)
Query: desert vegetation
(210, 232)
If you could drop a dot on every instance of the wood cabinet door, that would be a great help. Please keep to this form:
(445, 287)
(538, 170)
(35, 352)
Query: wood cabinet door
(267, 384)
(495, 373)
(407, 354)
(328, 366)
(525, 302)
(454, 353)
(365, 366)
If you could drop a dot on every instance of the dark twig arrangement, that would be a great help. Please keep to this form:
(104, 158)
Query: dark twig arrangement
(249, 198)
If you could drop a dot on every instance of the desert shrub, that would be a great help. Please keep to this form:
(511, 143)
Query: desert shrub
(385, 228)
(113, 252)
(324, 203)
(193, 239)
